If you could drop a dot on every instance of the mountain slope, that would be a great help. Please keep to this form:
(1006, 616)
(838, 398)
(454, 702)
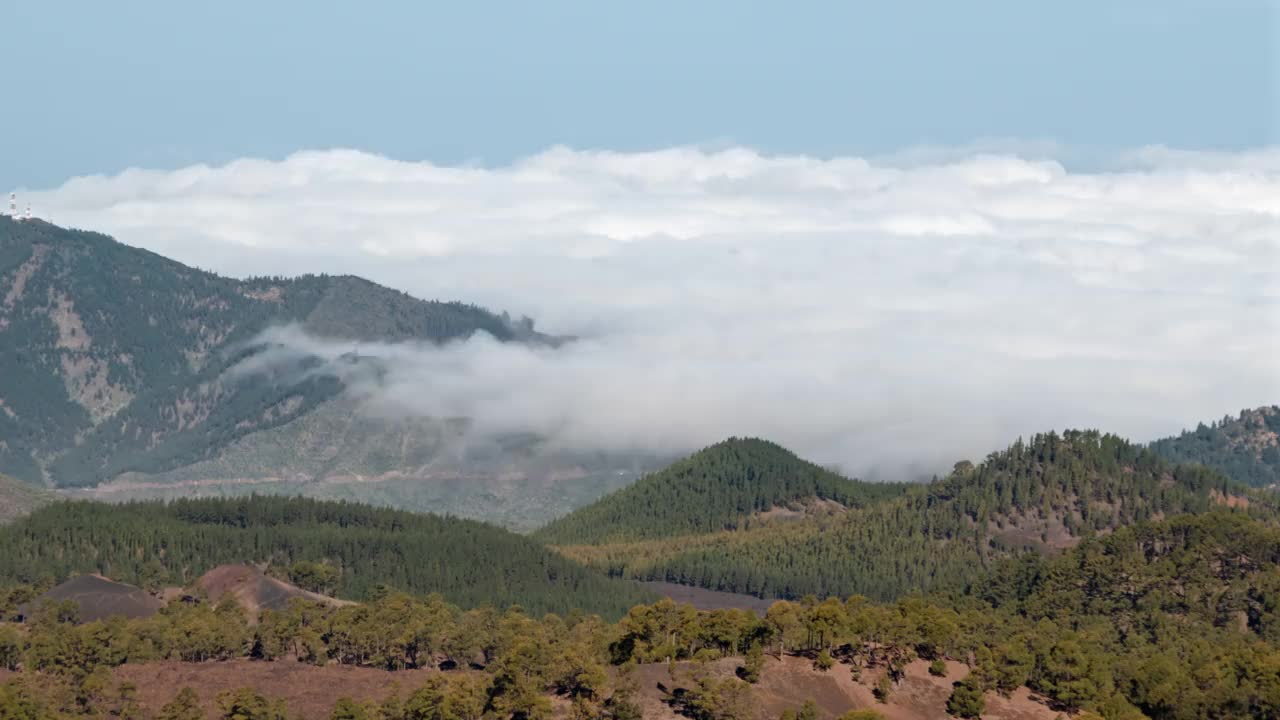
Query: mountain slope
(155, 544)
(116, 364)
(343, 451)
(1245, 449)
(116, 356)
(1179, 617)
(18, 498)
(1043, 495)
(717, 488)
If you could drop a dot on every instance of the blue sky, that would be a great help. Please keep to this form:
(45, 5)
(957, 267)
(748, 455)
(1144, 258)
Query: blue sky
(98, 87)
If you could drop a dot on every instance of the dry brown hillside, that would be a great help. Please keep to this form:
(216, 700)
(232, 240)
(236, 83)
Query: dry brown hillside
(254, 590)
(788, 683)
(311, 691)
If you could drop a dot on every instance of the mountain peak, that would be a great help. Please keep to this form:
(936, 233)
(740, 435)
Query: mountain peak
(713, 489)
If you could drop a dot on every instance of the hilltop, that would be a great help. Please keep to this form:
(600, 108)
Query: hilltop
(1244, 448)
(722, 487)
(116, 364)
(1044, 495)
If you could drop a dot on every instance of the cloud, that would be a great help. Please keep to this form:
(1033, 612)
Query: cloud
(888, 314)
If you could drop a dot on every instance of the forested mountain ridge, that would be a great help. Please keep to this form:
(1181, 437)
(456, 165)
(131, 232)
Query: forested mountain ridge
(1178, 617)
(156, 544)
(718, 488)
(1244, 448)
(1044, 495)
(115, 364)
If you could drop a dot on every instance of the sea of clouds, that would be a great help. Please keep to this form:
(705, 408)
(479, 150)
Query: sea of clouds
(890, 315)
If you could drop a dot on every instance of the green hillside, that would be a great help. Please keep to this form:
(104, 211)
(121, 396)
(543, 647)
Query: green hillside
(153, 544)
(1178, 618)
(1245, 448)
(718, 488)
(1043, 495)
(18, 498)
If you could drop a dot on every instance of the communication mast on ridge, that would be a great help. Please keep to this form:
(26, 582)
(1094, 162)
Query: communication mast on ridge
(13, 209)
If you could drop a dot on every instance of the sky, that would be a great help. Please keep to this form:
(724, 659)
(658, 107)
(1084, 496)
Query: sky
(887, 238)
(97, 87)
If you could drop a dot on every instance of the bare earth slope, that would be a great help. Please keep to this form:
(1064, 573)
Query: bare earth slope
(99, 598)
(254, 590)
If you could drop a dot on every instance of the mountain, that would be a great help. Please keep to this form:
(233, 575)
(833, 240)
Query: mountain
(18, 498)
(156, 544)
(1043, 495)
(723, 487)
(117, 375)
(1245, 448)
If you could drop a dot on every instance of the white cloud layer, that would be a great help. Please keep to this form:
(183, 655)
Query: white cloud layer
(891, 315)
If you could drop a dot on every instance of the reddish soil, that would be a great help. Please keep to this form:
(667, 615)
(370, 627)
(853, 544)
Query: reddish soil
(808, 507)
(1232, 501)
(1048, 537)
(253, 589)
(309, 691)
(790, 682)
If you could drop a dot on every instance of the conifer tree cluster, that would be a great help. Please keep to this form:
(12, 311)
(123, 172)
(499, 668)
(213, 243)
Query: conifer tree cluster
(718, 488)
(353, 550)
